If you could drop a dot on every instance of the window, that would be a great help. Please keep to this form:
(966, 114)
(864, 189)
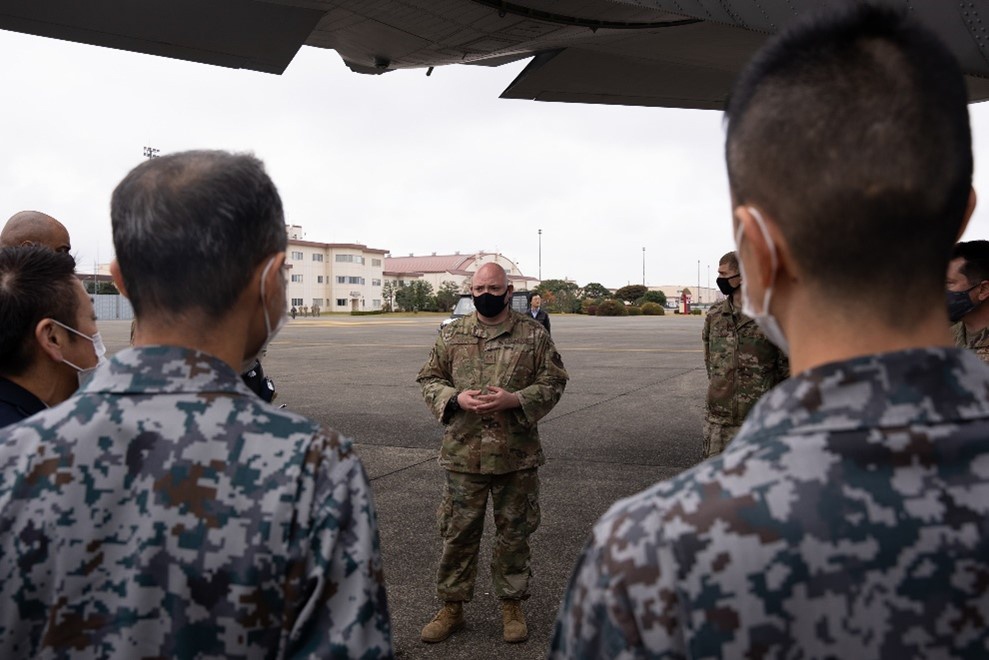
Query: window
(296, 256)
(376, 304)
(318, 302)
(341, 279)
(317, 257)
(376, 263)
(296, 302)
(401, 282)
(375, 282)
(350, 259)
(297, 277)
(355, 280)
(319, 279)
(341, 302)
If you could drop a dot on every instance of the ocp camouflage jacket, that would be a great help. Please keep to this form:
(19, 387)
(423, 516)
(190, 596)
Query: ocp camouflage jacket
(742, 364)
(517, 355)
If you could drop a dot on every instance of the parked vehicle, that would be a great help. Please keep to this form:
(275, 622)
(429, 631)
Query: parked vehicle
(465, 306)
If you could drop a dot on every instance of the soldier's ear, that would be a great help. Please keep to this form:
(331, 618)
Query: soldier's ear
(48, 338)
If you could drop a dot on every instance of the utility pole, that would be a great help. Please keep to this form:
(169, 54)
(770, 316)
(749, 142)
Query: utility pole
(643, 266)
(698, 280)
(151, 152)
(540, 255)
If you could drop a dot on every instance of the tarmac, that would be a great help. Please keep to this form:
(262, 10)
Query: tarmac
(631, 416)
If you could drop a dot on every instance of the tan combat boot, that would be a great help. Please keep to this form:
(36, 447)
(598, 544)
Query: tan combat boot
(513, 621)
(447, 621)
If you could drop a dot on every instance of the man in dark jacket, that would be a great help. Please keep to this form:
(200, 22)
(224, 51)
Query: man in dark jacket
(536, 311)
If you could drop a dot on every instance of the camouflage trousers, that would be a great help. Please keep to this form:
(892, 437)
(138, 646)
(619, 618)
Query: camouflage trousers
(515, 500)
(717, 437)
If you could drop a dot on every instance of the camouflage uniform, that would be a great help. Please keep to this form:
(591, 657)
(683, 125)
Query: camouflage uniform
(742, 365)
(496, 453)
(846, 520)
(979, 342)
(164, 510)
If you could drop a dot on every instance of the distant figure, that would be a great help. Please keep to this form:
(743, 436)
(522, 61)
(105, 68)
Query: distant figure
(164, 510)
(315, 310)
(293, 311)
(848, 517)
(305, 310)
(490, 447)
(968, 291)
(536, 311)
(742, 364)
(48, 337)
(35, 228)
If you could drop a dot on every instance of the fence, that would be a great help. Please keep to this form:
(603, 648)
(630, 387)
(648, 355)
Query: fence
(110, 308)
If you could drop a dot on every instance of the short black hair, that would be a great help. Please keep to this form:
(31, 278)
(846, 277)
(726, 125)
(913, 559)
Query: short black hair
(851, 130)
(189, 228)
(35, 283)
(976, 257)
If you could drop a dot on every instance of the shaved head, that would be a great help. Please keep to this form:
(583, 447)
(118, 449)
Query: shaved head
(491, 270)
(35, 228)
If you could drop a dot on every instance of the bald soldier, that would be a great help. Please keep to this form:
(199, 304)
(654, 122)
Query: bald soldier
(35, 228)
(491, 376)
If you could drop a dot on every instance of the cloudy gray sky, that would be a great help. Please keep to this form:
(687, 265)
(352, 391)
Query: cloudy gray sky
(399, 162)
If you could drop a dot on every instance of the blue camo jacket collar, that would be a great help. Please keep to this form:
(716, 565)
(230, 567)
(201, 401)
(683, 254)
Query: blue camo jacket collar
(163, 369)
(887, 390)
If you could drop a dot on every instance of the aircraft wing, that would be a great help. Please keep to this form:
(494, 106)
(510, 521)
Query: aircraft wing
(670, 53)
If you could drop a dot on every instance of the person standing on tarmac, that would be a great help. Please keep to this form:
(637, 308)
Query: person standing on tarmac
(848, 517)
(537, 312)
(490, 377)
(742, 364)
(968, 291)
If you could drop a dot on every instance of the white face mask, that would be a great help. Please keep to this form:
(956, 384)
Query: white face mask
(269, 331)
(98, 348)
(764, 318)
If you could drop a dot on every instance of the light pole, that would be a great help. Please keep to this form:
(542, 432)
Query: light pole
(643, 266)
(698, 280)
(540, 255)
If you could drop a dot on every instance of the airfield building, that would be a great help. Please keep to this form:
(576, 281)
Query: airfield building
(457, 268)
(336, 277)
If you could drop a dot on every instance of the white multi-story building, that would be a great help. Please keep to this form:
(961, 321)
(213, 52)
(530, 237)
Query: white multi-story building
(336, 277)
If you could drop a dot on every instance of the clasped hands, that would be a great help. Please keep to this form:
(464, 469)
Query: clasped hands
(494, 400)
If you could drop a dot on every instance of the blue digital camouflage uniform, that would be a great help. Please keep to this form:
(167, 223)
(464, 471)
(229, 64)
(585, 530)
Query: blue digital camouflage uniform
(164, 510)
(494, 454)
(848, 519)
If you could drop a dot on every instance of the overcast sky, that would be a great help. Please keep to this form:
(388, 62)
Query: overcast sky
(400, 161)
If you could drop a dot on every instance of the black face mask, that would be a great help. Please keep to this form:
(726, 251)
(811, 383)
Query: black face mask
(725, 286)
(490, 305)
(959, 304)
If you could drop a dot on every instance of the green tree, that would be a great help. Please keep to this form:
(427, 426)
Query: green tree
(447, 296)
(612, 308)
(101, 288)
(631, 293)
(559, 296)
(595, 290)
(417, 295)
(388, 294)
(657, 297)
